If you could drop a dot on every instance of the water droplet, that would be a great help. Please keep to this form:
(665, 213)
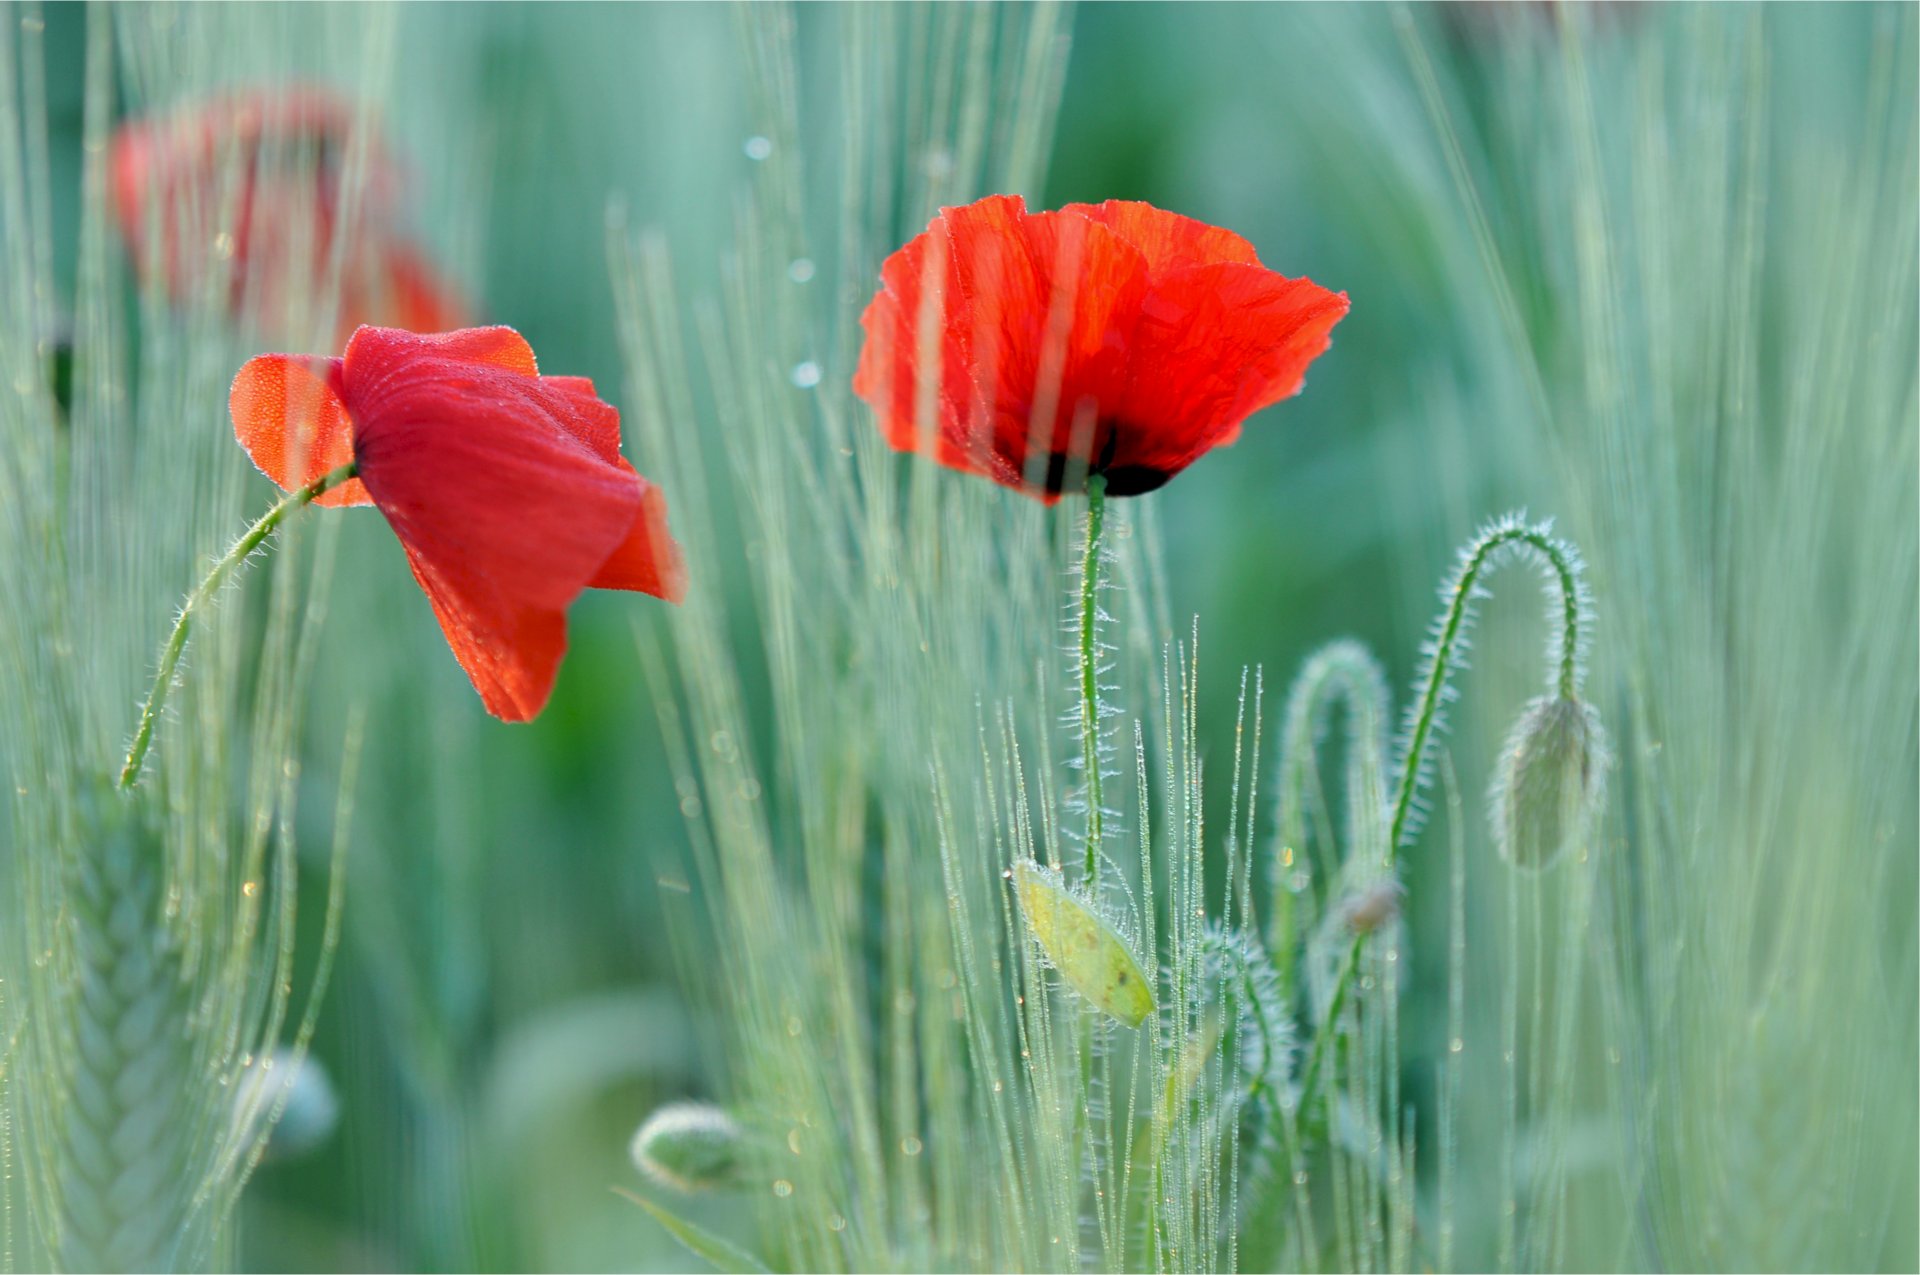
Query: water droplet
(794, 1027)
(758, 148)
(250, 888)
(1456, 1045)
(793, 1140)
(805, 375)
(782, 1188)
(910, 1145)
(800, 269)
(835, 1222)
(223, 245)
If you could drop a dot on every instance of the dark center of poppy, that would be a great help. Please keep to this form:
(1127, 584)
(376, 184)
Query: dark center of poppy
(1122, 480)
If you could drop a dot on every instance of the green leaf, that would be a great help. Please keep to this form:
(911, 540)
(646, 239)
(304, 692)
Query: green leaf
(723, 1254)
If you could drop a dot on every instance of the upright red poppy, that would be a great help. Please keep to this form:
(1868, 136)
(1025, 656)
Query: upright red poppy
(283, 150)
(1036, 348)
(506, 488)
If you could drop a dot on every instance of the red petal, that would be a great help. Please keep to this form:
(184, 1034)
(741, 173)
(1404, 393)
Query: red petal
(648, 560)
(1214, 345)
(1028, 323)
(918, 387)
(1168, 240)
(505, 514)
(586, 416)
(511, 654)
(393, 348)
(288, 416)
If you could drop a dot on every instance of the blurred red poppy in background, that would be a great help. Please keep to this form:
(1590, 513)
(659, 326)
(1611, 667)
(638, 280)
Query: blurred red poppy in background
(249, 187)
(1117, 339)
(506, 488)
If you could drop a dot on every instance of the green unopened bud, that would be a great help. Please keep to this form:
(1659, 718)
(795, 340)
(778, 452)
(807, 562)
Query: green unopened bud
(689, 1146)
(1089, 953)
(1550, 781)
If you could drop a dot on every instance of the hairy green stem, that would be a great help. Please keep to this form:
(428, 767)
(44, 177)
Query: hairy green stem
(1090, 669)
(201, 595)
(1439, 669)
(1090, 759)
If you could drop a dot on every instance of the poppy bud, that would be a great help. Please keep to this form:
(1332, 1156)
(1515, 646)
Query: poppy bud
(689, 1146)
(1549, 782)
(1089, 953)
(1374, 906)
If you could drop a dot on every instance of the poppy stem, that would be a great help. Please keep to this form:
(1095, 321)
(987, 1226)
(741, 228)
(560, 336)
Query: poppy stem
(1090, 670)
(203, 594)
(1448, 640)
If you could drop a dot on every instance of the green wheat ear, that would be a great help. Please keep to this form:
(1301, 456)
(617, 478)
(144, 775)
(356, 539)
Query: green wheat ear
(1089, 953)
(124, 1178)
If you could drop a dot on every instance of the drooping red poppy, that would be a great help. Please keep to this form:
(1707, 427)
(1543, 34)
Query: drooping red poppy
(272, 231)
(506, 488)
(1118, 339)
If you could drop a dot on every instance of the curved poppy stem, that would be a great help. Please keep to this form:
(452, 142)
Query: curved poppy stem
(1090, 669)
(1565, 676)
(201, 595)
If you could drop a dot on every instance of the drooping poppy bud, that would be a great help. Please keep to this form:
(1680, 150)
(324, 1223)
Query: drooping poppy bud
(1378, 904)
(506, 488)
(689, 1146)
(1113, 339)
(1549, 782)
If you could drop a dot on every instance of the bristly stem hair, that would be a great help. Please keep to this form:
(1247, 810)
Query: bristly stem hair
(1568, 588)
(1090, 668)
(201, 595)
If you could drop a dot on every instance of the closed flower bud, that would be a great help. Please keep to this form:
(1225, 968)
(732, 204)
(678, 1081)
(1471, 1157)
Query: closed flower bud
(1089, 953)
(689, 1146)
(1374, 906)
(1550, 781)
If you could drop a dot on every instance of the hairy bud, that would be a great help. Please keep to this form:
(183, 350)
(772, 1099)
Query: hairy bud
(1089, 953)
(1375, 906)
(689, 1146)
(1550, 781)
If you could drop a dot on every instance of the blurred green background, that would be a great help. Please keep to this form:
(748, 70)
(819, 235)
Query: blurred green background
(506, 1007)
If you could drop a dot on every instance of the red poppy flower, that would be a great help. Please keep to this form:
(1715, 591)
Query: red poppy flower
(286, 149)
(1036, 348)
(506, 488)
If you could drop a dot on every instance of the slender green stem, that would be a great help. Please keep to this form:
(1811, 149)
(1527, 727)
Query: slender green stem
(1090, 759)
(1090, 669)
(201, 595)
(1445, 654)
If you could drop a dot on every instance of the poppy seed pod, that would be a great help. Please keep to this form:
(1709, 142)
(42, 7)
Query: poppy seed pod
(689, 1146)
(1550, 781)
